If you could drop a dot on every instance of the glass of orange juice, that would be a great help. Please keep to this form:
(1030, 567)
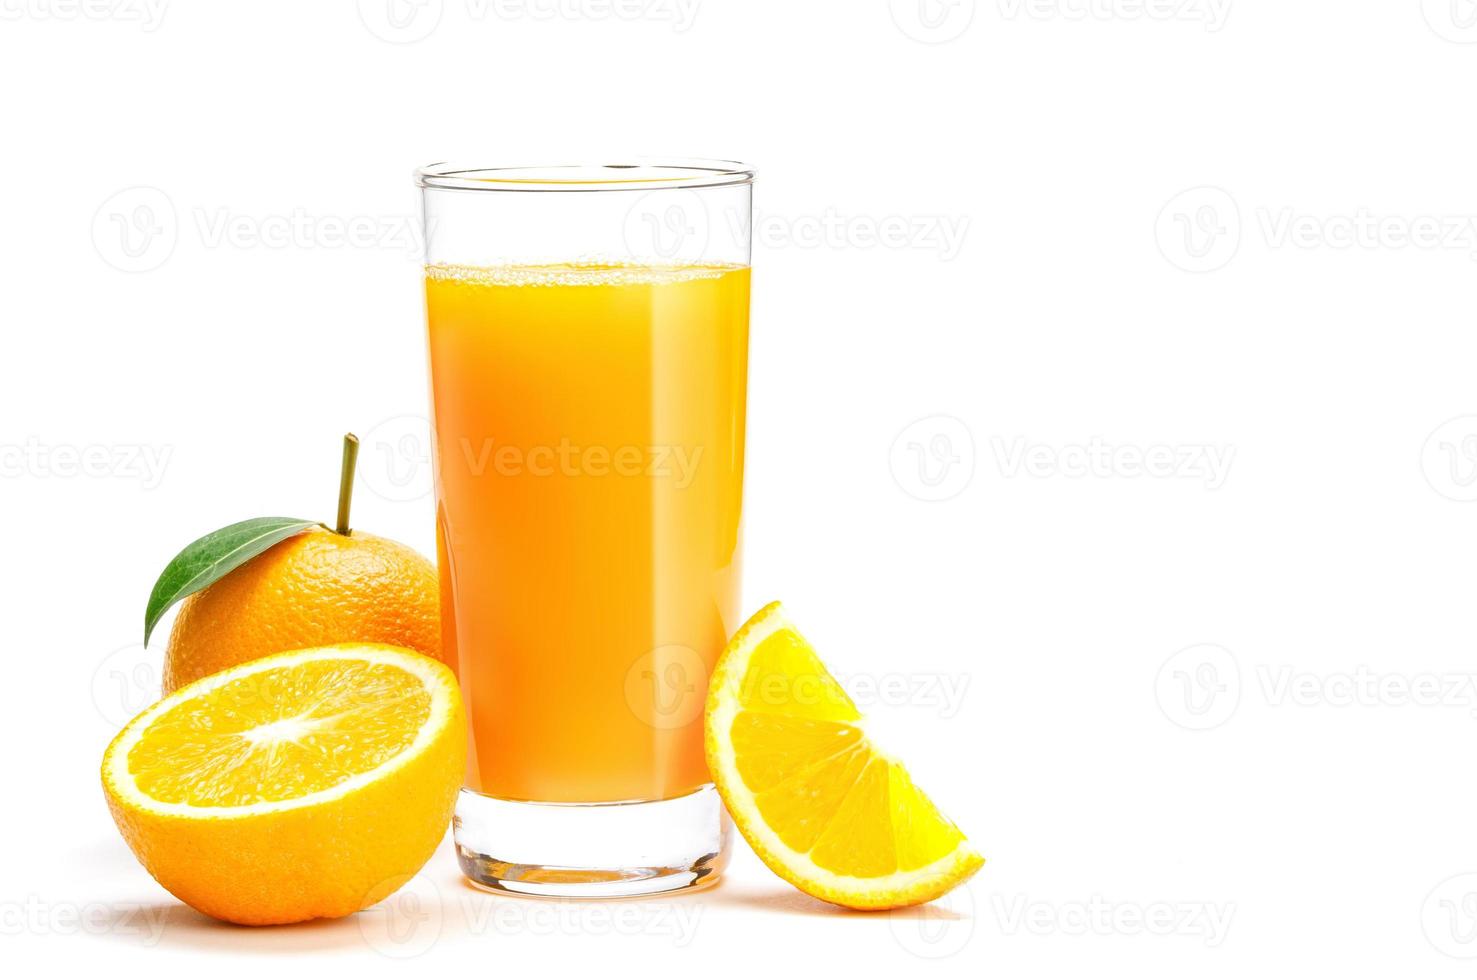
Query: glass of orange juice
(588, 331)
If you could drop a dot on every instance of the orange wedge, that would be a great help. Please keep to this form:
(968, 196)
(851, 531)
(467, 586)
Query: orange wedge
(819, 803)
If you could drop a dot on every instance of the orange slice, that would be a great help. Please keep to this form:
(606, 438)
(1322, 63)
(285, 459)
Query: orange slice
(820, 804)
(301, 785)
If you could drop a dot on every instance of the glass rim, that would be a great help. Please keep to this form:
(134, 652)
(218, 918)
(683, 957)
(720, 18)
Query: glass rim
(639, 174)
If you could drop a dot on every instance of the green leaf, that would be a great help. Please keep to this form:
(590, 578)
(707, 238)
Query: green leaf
(209, 558)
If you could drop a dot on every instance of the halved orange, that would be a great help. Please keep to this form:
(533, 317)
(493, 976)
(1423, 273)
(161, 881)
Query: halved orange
(301, 785)
(821, 805)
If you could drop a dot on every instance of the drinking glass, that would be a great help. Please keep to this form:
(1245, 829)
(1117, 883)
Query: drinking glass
(588, 330)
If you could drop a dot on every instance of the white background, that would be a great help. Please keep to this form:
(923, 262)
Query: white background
(1176, 314)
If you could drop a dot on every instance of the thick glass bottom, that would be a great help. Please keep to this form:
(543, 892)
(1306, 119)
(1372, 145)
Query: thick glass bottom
(592, 850)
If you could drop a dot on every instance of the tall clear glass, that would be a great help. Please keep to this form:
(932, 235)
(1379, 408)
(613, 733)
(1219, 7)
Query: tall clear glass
(588, 331)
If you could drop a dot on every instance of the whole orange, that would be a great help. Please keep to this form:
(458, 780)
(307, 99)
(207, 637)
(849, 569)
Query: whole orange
(314, 589)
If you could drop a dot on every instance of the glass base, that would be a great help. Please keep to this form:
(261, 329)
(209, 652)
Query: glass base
(592, 850)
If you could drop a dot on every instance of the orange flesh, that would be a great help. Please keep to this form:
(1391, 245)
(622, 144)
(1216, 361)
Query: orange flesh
(280, 734)
(817, 781)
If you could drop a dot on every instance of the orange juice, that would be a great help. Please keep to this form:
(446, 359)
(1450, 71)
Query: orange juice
(589, 432)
